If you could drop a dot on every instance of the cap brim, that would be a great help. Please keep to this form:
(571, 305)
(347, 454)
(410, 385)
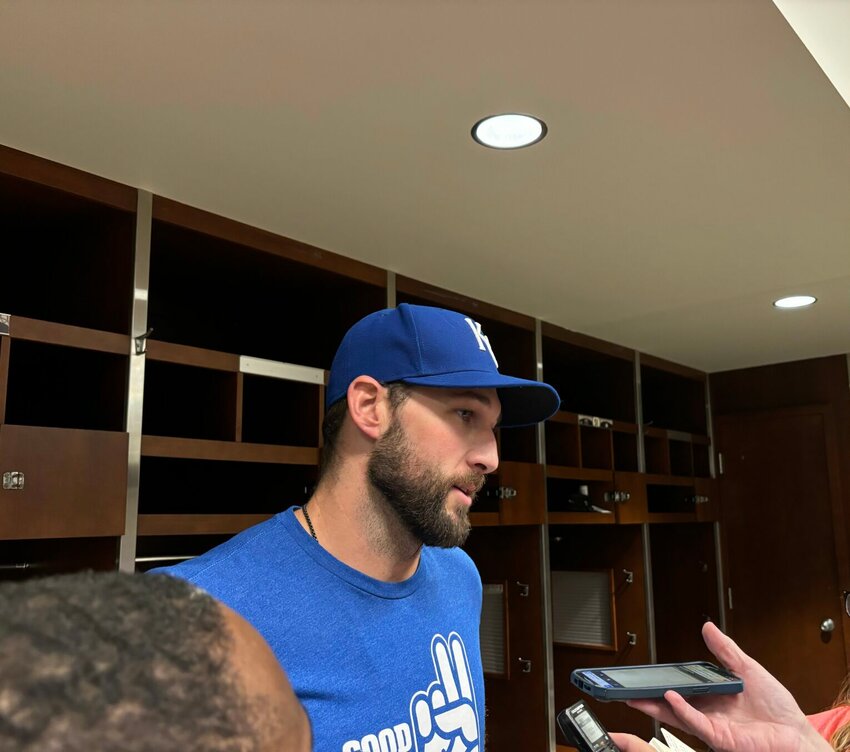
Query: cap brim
(524, 402)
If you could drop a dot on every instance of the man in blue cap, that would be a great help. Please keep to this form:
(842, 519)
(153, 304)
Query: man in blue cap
(362, 593)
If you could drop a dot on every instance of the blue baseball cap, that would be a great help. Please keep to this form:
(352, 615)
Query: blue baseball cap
(435, 347)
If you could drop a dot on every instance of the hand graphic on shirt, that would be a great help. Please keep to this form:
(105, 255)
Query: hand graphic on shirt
(445, 717)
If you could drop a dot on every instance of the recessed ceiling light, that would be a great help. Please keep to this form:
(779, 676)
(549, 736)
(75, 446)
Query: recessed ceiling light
(508, 131)
(795, 301)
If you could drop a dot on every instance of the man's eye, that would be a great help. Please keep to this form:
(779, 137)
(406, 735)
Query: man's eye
(465, 415)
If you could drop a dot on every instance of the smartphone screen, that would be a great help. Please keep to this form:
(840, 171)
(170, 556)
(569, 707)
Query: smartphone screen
(669, 676)
(629, 682)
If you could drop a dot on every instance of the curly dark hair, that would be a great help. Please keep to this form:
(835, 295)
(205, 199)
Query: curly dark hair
(117, 663)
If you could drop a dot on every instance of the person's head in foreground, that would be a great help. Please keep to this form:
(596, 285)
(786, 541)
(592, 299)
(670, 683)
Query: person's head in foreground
(413, 398)
(133, 663)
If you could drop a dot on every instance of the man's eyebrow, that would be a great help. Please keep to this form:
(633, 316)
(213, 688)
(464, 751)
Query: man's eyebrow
(469, 394)
(478, 397)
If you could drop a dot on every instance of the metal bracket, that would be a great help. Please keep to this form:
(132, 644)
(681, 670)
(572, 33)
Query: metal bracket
(502, 492)
(631, 638)
(618, 497)
(630, 576)
(526, 665)
(142, 342)
(13, 481)
(595, 422)
(699, 499)
(523, 589)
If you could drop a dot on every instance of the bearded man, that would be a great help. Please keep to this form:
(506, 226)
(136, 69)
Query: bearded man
(363, 593)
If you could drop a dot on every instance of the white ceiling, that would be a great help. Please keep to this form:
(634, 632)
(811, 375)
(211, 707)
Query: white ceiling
(697, 164)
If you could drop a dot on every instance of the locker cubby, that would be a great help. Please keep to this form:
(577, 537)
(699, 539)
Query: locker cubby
(276, 411)
(189, 486)
(24, 559)
(670, 499)
(65, 387)
(625, 451)
(702, 460)
(66, 258)
(215, 294)
(518, 444)
(590, 382)
(559, 490)
(673, 401)
(596, 448)
(562, 444)
(657, 453)
(189, 402)
(681, 458)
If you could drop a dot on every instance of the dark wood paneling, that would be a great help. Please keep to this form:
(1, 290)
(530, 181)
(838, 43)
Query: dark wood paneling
(176, 213)
(61, 177)
(68, 336)
(75, 483)
(779, 499)
(4, 375)
(619, 548)
(191, 356)
(802, 382)
(197, 524)
(516, 706)
(200, 449)
(684, 582)
(587, 342)
(528, 507)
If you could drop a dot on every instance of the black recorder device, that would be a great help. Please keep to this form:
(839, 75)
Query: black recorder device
(583, 729)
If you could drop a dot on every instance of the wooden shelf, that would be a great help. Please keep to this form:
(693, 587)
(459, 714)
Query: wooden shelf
(197, 524)
(186, 355)
(563, 416)
(668, 480)
(671, 517)
(484, 519)
(202, 449)
(578, 473)
(581, 518)
(78, 337)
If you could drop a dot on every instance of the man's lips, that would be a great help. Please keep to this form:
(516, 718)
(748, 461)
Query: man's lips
(469, 490)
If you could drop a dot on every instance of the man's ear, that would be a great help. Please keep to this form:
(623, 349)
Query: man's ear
(367, 407)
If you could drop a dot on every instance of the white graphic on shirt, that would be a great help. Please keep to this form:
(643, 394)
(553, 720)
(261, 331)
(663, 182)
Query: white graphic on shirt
(445, 716)
(482, 339)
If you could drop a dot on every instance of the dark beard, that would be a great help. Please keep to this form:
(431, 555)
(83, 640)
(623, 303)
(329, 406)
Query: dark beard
(417, 493)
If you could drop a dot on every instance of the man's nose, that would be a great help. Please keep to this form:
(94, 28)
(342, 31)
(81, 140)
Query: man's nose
(485, 457)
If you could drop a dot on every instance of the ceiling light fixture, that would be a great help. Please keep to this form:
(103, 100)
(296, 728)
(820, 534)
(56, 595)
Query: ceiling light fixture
(509, 131)
(795, 301)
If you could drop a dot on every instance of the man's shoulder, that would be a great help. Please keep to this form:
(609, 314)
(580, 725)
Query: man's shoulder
(250, 549)
(454, 563)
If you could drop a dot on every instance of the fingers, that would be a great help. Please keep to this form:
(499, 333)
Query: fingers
(657, 709)
(463, 675)
(445, 672)
(724, 648)
(688, 718)
(629, 743)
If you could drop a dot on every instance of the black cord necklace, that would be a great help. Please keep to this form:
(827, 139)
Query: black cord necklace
(309, 522)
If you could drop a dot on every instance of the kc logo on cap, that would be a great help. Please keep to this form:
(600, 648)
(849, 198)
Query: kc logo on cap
(482, 339)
